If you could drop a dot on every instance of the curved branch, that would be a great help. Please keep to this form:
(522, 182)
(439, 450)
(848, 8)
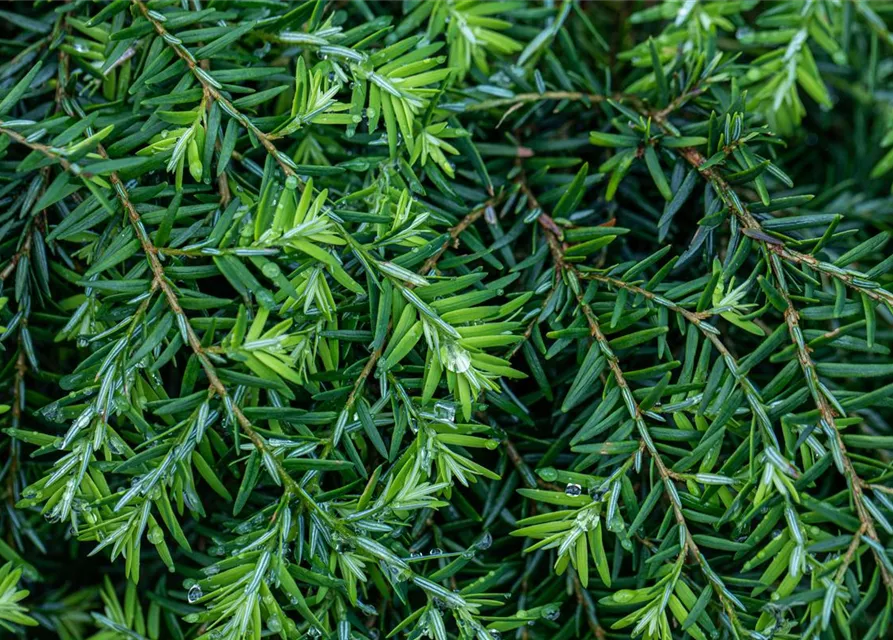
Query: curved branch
(777, 251)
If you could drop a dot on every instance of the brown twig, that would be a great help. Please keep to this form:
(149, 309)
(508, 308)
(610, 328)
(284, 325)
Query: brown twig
(589, 610)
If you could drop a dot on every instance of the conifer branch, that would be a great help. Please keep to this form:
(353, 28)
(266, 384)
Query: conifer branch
(668, 477)
(161, 281)
(828, 421)
(775, 251)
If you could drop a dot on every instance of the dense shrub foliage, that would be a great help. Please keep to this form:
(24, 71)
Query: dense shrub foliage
(446, 319)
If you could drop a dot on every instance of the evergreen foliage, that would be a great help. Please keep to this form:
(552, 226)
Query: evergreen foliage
(446, 319)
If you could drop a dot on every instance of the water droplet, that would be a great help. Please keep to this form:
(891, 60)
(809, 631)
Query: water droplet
(211, 570)
(313, 632)
(468, 554)
(191, 618)
(291, 182)
(445, 411)
(436, 551)
(117, 446)
(490, 215)
(552, 612)
(194, 594)
(573, 489)
(271, 269)
(274, 625)
(52, 412)
(155, 535)
(455, 357)
(485, 542)
(492, 444)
